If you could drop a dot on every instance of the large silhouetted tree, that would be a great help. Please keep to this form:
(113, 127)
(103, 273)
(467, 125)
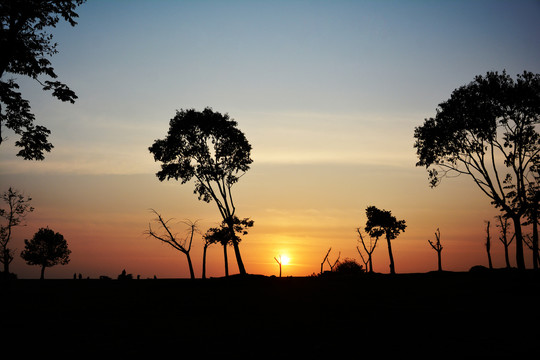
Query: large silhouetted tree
(487, 130)
(25, 46)
(46, 249)
(16, 207)
(166, 235)
(208, 147)
(382, 222)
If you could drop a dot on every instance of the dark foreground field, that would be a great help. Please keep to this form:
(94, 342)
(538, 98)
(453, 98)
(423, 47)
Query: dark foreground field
(440, 315)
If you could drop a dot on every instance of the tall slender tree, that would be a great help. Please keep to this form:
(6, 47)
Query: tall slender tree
(208, 147)
(382, 222)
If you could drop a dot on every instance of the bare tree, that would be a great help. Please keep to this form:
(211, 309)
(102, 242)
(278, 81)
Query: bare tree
(325, 258)
(279, 262)
(332, 266)
(503, 224)
(18, 206)
(437, 247)
(368, 248)
(166, 236)
(488, 246)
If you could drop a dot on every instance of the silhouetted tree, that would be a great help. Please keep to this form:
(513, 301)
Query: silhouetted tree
(437, 247)
(17, 206)
(332, 266)
(208, 147)
(279, 263)
(503, 224)
(166, 236)
(25, 46)
(222, 235)
(325, 258)
(46, 249)
(488, 246)
(368, 248)
(487, 130)
(382, 222)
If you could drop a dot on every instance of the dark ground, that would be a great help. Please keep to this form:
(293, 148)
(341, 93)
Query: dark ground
(441, 315)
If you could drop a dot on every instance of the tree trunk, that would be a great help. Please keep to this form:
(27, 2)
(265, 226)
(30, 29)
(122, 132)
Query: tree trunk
(535, 238)
(370, 264)
(488, 246)
(226, 260)
(506, 256)
(520, 261)
(241, 267)
(42, 272)
(204, 261)
(439, 260)
(392, 269)
(191, 272)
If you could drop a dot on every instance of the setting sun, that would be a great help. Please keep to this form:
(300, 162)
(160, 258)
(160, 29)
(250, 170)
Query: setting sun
(285, 260)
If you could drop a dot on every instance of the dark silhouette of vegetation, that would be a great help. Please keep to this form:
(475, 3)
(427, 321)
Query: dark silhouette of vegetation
(368, 248)
(488, 246)
(503, 224)
(348, 267)
(25, 47)
(166, 236)
(438, 248)
(125, 276)
(222, 235)
(382, 222)
(487, 130)
(46, 249)
(17, 207)
(208, 147)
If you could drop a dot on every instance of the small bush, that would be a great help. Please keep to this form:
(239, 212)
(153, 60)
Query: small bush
(349, 267)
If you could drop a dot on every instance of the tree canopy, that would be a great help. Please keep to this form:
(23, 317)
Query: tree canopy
(25, 47)
(46, 249)
(208, 147)
(488, 130)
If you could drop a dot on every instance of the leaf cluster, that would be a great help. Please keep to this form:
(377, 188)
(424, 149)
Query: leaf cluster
(382, 222)
(26, 46)
(223, 235)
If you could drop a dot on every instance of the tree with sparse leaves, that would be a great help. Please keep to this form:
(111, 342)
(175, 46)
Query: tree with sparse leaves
(487, 131)
(46, 249)
(208, 147)
(17, 206)
(25, 46)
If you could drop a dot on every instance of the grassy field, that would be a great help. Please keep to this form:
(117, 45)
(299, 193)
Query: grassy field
(434, 314)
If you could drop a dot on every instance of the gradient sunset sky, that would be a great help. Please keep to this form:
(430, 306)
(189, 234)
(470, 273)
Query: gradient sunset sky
(327, 92)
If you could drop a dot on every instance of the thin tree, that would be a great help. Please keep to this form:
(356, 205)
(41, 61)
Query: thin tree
(46, 249)
(208, 147)
(437, 247)
(222, 235)
(368, 248)
(325, 258)
(528, 240)
(487, 130)
(488, 246)
(382, 222)
(279, 262)
(25, 47)
(166, 236)
(17, 206)
(332, 266)
(503, 224)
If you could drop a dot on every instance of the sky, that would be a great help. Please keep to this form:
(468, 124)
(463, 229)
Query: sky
(328, 93)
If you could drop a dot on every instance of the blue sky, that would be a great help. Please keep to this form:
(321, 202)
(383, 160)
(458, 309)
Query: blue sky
(327, 92)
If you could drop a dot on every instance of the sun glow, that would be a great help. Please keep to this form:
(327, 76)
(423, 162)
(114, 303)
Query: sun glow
(285, 260)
